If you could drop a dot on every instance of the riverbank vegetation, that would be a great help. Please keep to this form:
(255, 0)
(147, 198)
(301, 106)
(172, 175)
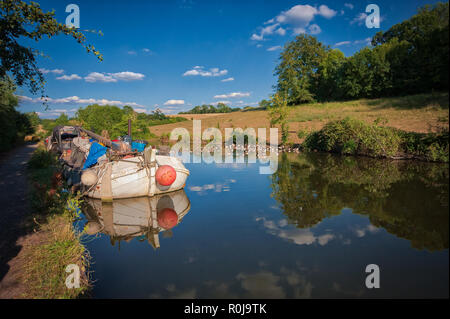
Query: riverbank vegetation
(114, 119)
(54, 243)
(421, 113)
(208, 108)
(355, 137)
(14, 124)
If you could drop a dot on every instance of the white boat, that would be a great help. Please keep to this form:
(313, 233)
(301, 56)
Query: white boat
(126, 219)
(116, 175)
(132, 177)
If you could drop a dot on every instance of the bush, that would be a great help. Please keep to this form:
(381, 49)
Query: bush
(431, 146)
(350, 136)
(41, 159)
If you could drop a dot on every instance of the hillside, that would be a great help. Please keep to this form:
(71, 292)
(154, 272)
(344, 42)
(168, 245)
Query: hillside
(415, 113)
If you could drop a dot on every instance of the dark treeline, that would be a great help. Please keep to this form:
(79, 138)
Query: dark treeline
(409, 58)
(113, 119)
(14, 125)
(207, 108)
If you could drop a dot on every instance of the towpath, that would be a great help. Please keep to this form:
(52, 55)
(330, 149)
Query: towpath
(14, 206)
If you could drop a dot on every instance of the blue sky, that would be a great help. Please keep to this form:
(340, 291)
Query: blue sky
(178, 54)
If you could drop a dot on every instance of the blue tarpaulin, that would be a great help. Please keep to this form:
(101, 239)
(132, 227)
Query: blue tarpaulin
(137, 146)
(95, 152)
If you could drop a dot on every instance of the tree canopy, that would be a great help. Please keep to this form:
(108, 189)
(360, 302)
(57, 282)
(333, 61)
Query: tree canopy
(410, 57)
(14, 125)
(20, 20)
(208, 108)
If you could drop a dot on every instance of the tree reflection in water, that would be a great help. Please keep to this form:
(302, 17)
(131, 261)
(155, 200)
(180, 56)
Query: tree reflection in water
(408, 199)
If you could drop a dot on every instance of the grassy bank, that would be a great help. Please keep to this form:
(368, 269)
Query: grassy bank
(422, 113)
(55, 243)
(355, 137)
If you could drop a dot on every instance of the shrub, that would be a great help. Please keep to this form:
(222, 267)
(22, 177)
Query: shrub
(350, 136)
(41, 159)
(431, 147)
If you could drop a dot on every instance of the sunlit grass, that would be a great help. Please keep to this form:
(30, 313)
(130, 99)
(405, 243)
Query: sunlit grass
(55, 243)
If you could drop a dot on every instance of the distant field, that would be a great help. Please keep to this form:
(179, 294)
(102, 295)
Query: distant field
(417, 113)
(196, 116)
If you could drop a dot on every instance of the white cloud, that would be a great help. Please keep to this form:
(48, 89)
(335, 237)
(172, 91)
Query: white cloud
(218, 187)
(199, 70)
(299, 15)
(349, 5)
(99, 77)
(314, 29)
(299, 30)
(297, 18)
(113, 77)
(256, 37)
(69, 77)
(326, 12)
(132, 52)
(127, 76)
(366, 41)
(271, 29)
(342, 43)
(25, 98)
(223, 102)
(298, 236)
(262, 285)
(228, 79)
(359, 19)
(54, 71)
(361, 232)
(174, 102)
(274, 48)
(231, 95)
(77, 100)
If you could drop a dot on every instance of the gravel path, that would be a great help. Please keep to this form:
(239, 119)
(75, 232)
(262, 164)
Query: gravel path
(13, 207)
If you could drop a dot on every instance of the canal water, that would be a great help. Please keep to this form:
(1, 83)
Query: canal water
(307, 231)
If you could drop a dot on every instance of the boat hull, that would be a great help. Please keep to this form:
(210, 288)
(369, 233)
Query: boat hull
(131, 178)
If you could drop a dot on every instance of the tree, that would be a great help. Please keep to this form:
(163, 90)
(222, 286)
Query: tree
(330, 76)
(20, 20)
(278, 114)
(14, 125)
(297, 70)
(33, 117)
(62, 120)
(265, 104)
(100, 117)
(420, 58)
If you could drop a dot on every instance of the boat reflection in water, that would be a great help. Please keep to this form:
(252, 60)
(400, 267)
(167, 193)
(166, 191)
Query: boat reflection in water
(143, 217)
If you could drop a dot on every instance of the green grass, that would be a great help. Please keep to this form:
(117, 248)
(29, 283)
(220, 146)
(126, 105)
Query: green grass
(57, 243)
(355, 137)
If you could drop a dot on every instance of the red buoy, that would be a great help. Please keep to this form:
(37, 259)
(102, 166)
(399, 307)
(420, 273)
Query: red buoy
(167, 218)
(165, 175)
